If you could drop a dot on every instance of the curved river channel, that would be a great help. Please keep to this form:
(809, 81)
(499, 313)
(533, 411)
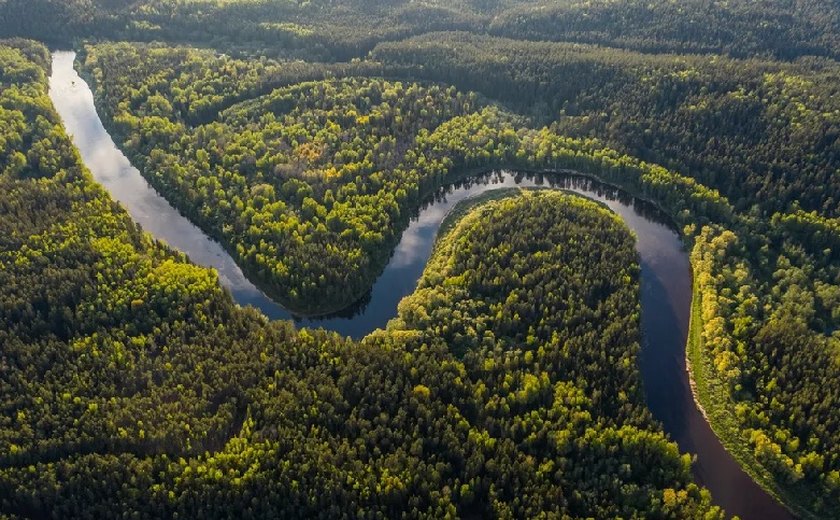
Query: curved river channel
(665, 279)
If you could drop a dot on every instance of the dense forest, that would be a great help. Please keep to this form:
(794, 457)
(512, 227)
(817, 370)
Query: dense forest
(304, 136)
(761, 132)
(513, 311)
(333, 30)
(131, 383)
(300, 184)
(347, 159)
(309, 185)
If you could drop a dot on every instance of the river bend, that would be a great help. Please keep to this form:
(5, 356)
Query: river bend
(665, 279)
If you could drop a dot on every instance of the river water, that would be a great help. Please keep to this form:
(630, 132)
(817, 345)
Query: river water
(665, 279)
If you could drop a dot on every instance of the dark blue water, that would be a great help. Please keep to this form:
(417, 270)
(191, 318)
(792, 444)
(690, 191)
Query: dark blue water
(665, 279)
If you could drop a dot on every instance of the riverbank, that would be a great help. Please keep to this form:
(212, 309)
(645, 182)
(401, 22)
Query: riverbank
(713, 400)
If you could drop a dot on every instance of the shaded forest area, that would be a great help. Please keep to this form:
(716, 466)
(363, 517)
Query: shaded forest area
(332, 30)
(761, 132)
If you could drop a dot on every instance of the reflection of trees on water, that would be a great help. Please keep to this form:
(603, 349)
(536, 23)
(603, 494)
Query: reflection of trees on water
(561, 179)
(356, 309)
(564, 179)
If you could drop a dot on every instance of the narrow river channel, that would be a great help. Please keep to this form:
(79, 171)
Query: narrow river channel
(665, 279)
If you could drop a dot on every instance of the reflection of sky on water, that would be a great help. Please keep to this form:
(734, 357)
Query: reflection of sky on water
(413, 240)
(659, 245)
(74, 102)
(665, 278)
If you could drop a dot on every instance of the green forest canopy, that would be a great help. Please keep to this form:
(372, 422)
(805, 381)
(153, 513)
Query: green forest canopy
(351, 155)
(131, 382)
(595, 86)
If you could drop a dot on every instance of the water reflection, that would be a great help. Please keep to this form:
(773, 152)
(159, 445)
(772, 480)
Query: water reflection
(414, 249)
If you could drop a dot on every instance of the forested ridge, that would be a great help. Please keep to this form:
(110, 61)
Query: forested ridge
(131, 383)
(327, 29)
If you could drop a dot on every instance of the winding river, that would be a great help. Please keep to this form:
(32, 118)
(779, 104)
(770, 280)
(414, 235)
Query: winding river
(665, 279)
